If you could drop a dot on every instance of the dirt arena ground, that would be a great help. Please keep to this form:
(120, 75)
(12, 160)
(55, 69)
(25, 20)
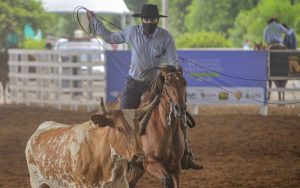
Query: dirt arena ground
(238, 147)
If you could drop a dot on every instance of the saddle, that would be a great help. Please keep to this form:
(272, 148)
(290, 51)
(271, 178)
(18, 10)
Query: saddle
(277, 46)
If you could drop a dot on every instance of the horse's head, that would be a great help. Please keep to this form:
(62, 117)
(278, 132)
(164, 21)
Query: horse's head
(174, 88)
(260, 46)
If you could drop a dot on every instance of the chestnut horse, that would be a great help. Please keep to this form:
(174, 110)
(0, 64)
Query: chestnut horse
(162, 136)
(278, 83)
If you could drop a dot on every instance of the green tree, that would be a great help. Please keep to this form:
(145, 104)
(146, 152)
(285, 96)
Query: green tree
(215, 15)
(249, 25)
(19, 12)
(177, 11)
(202, 40)
(64, 25)
(67, 23)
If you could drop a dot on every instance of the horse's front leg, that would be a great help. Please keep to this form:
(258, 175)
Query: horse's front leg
(270, 86)
(158, 170)
(176, 179)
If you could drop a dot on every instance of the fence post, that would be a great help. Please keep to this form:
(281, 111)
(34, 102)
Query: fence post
(1, 94)
(7, 94)
(194, 109)
(263, 110)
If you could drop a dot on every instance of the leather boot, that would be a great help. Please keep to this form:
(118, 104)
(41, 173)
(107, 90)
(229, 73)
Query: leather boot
(187, 160)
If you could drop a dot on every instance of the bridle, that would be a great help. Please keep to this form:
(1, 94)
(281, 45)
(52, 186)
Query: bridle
(159, 89)
(170, 100)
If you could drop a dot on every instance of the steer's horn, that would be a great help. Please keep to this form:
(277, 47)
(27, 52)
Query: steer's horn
(103, 106)
(140, 112)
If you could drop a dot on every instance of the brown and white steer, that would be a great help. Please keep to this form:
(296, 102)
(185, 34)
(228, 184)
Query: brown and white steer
(60, 155)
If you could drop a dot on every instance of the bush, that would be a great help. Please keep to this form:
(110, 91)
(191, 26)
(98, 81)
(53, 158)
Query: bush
(202, 40)
(34, 44)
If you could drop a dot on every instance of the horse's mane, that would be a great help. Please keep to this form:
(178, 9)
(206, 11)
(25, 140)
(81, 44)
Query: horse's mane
(158, 82)
(156, 85)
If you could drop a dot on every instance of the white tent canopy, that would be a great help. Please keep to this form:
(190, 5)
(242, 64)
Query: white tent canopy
(98, 6)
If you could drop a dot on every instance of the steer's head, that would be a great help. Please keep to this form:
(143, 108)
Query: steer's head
(123, 130)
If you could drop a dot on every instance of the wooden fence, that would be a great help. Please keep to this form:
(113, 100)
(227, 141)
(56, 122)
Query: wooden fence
(57, 78)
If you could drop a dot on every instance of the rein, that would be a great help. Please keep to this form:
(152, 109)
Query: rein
(171, 113)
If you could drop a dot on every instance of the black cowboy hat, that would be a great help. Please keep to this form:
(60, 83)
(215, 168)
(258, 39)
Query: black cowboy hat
(149, 11)
(272, 19)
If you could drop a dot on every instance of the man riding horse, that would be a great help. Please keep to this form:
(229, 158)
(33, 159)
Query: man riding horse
(273, 37)
(150, 45)
(273, 34)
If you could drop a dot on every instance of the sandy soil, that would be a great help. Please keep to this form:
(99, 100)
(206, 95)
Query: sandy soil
(238, 147)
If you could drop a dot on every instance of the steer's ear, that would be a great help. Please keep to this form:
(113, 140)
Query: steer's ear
(100, 120)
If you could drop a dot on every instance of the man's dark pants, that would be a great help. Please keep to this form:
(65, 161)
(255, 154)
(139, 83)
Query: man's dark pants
(132, 92)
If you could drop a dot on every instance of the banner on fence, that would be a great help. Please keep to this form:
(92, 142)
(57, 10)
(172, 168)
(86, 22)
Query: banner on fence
(213, 77)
